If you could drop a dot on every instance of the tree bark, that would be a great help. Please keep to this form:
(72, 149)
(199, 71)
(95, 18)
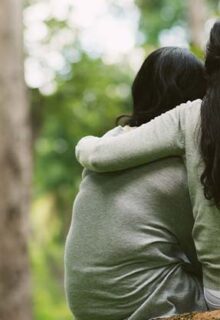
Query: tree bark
(197, 14)
(15, 168)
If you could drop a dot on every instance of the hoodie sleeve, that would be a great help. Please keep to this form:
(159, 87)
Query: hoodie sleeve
(159, 138)
(212, 298)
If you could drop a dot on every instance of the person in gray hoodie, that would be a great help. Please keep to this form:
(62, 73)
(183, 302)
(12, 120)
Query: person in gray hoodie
(192, 131)
(129, 252)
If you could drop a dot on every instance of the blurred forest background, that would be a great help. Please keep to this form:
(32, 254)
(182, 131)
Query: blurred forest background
(80, 57)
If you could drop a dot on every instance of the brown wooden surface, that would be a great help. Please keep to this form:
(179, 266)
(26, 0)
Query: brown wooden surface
(211, 315)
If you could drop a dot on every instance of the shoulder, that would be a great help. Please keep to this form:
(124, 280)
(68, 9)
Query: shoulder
(191, 107)
(194, 106)
(189, 112)
(193, 114)
(184, 110)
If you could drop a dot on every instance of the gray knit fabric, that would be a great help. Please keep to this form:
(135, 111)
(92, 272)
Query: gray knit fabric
(129, 252)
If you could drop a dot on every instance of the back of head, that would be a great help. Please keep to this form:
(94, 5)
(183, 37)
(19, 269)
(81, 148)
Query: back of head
(210, 119)
(169, 76)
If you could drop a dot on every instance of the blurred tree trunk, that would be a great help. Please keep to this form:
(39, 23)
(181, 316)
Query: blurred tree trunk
(197, 14)
(15, 168)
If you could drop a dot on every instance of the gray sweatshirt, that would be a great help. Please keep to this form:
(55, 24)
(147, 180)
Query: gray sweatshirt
(176, 132)
(129, 253)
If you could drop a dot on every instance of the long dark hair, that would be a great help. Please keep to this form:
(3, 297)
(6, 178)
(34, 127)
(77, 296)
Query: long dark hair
(210, 119)
(169, 76)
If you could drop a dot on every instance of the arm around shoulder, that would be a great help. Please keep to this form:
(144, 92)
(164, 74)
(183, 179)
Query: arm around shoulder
(159, 138)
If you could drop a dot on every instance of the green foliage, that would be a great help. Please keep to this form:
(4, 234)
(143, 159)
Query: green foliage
(87, 101)
(214, 5)
(48, 294)
(157, 15)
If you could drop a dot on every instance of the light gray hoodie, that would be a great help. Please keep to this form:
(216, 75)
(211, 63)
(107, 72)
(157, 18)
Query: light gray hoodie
(177, 132)
(129, 252)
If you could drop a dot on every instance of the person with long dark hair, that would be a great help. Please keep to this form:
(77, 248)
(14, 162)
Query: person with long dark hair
(129, 253)
(193, 131)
